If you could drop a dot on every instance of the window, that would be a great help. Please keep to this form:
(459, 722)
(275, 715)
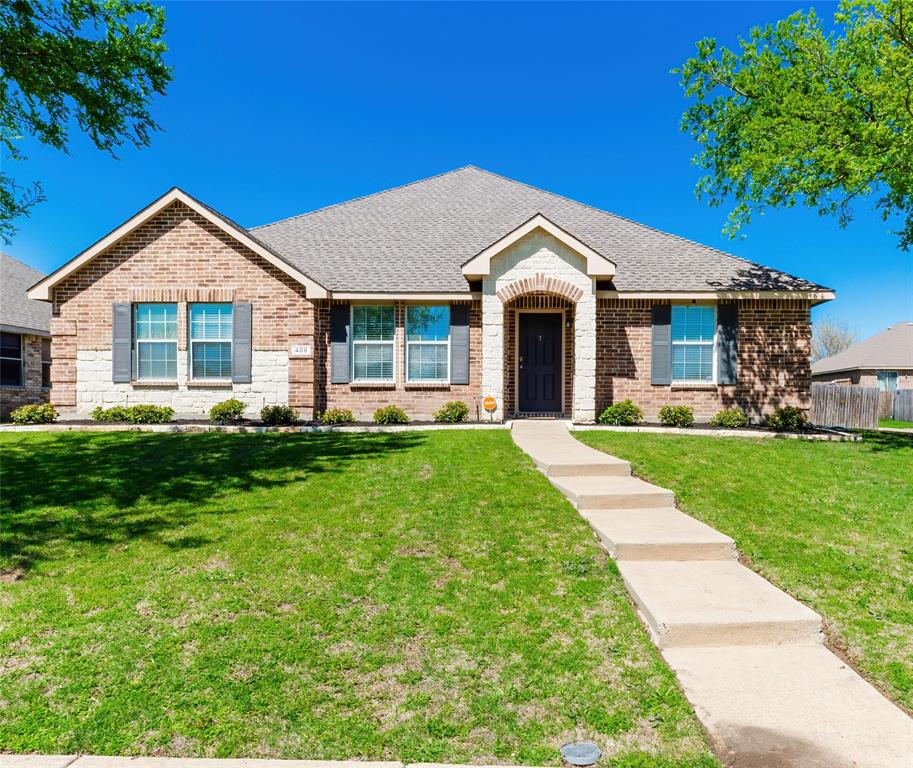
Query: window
(155, 329)
(887, 381)
(693, 333)
(46, 363)
(10, 360)
(372, 343)
(210, 341)
(427, 343)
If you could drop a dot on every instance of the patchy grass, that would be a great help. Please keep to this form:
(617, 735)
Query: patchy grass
(831, 523)
(895, 424)
(418, 596)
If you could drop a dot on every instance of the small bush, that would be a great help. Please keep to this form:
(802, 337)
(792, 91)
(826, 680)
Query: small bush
(787, 419)
(623, 414)
(274, 415)
(34, 414)
(676, 416)
(390, 414)
(135, 414)
(454, 412)
(337, 416)
(227, 411)
(730, 418)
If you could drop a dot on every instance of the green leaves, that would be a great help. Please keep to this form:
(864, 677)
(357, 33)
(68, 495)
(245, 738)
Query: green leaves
(95, 63)
(801, 116)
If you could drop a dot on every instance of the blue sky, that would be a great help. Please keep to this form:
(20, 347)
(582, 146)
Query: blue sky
(280, 108)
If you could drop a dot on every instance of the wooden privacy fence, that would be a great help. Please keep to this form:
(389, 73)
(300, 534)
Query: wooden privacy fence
(903, 405)
(839, 405)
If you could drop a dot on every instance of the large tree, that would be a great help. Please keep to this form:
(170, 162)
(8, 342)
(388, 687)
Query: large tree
(800, 115)
(831, 336)
(92, 64)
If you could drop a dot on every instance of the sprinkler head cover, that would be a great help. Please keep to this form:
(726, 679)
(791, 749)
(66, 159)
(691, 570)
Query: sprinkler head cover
(580, 753)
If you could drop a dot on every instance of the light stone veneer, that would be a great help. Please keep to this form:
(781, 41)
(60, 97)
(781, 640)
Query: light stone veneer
(540, 252)
(269, 386)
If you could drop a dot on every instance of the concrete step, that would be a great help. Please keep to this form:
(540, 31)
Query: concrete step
(661, 533)
(712, 603)
(791, 706)
(592, 493)
(558, 454)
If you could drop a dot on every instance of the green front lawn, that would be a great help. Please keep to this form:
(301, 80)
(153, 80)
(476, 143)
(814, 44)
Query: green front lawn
(831, 523)
(418, 596)
(894, 424)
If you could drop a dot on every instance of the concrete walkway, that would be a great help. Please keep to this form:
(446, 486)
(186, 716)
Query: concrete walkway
(748, 656)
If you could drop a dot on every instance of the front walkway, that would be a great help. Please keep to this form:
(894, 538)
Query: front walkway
(748, 656)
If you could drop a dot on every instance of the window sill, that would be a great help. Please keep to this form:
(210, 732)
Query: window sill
(372, 384)
(12, 386)
(426, 385)
(684, 385)
(210, 383)
(154, 383)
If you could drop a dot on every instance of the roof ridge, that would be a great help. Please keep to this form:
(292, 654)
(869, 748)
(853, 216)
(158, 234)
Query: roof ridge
(640, 224)
(365, 197)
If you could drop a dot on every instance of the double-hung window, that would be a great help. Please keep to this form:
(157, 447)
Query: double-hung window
(693, 344)
(428, 343)
(46, 363)
(210, 341)
(10, 360)
(887, 381)
(155, 333)
(373, 332)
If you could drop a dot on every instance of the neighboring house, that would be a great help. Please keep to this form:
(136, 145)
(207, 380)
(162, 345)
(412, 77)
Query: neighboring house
(457, 287)
(25, 338)
(884, 360)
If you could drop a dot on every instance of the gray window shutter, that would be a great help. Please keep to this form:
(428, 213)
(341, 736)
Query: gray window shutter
(727, 343)
(459, 343)
(121, 341)
(241, 324)
(339, 343)
(662, 344)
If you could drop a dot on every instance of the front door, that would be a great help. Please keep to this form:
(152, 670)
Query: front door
(539, 362)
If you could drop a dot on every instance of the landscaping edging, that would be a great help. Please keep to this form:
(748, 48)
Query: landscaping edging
(836, 437)
(234, 429)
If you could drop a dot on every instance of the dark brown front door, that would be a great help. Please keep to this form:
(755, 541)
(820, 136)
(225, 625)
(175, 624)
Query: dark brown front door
(540, 362)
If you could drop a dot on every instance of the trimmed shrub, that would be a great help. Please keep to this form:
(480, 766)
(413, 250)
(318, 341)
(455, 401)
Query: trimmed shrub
(676, 416)
(787, 419)
(454, 412)
(390, 414)
(274, 415)
(336, 416)
(45, 413)
(135, 414)
(115, 413)
(623, 414)
(730, 418)
(227, 411)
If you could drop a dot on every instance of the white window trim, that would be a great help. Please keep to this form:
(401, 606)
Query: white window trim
(45, 362)
(409, 379)
(713, 351)
(369, 342)
(191, 377)
(137, 341)
(20, 359)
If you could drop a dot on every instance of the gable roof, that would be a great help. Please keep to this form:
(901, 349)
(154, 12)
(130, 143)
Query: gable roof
(42, 289)
(889, 350)
(417, 237)
(18, 313)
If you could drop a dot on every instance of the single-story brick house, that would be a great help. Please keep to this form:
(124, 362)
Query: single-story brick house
(461, 286)
(25, 338)
(884, 360)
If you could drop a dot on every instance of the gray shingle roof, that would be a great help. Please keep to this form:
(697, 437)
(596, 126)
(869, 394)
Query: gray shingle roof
(416, 237)
(16, 309)
(889, 350)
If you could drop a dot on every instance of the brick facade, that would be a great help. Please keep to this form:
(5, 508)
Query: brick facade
(31, 390)
(773, 360)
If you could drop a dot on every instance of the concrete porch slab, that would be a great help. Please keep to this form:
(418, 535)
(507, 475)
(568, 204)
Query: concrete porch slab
(715, 603)
(661, 533)
(592, 493)
(793, 706)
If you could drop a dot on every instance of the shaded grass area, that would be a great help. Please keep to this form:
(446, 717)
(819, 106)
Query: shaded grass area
(895, 424)
(831, 523)
(418, 596)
